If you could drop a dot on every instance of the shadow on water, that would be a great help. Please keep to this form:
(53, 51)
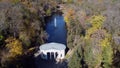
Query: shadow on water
(49, 63)
(56, 34)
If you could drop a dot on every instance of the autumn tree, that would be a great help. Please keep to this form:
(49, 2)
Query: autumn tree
(14, 47)
(73, 27)
(23, 21)
(101, 32)
(99, 43)
(10, 54)
(75, 61)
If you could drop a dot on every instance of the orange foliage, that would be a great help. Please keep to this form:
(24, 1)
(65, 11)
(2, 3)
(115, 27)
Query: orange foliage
(69, 16)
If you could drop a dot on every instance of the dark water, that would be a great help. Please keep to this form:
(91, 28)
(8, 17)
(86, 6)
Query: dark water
(58, 33)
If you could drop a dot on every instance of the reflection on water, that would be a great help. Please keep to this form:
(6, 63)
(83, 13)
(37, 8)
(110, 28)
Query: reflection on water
(41, 63)
(57, 33)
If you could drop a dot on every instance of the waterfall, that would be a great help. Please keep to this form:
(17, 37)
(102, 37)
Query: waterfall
(55, 22)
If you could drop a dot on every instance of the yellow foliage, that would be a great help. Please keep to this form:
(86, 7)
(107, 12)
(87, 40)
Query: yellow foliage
(105, 42)
(66, 18)
(90, 31)
(97, 20)
(14, 46)
(48, 12)
(69, 16)
(15, 1)
(31, 49)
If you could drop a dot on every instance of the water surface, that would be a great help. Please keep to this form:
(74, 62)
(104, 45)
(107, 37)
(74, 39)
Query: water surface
(56, 33)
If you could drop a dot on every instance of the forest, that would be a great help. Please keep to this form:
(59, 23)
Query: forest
(93, 31)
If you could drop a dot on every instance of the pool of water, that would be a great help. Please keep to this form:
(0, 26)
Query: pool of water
(56, 31)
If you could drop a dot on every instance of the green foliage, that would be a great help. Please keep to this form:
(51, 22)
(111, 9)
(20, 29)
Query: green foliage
(75, 61)
(1, 37)
(15, 1)
(107, 52)
(48, 12)
(96, 51)
(70, 41)
(92, 55)
(100, 53)
(107, 56)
